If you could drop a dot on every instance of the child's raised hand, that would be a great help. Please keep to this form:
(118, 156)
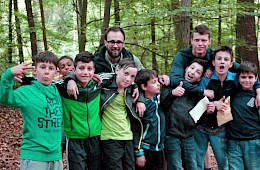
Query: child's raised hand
(220, 105)
(140, 161)
(19, 70)
(178, 91)
(72, 89)
(140, 108)
(210, 108)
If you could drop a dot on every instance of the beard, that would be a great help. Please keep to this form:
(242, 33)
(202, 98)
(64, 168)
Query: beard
(114, 55)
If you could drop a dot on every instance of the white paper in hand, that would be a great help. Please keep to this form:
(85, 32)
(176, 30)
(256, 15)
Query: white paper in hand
(199, 109)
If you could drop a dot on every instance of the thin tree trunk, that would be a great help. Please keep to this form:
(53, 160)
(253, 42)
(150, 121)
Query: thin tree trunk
(81, 11)
(78, 4)
(10, 35)
(154, 61)
(43, 26)
(106, 21)
(83, 21)
(18, 32)
(246, 48)
(116, 10)
(31, 28)
(219, 24)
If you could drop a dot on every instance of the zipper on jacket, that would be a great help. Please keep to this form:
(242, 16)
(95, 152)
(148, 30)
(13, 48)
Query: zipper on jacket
(146, 130)
(87, 115)
(159, 126)
(71, 125)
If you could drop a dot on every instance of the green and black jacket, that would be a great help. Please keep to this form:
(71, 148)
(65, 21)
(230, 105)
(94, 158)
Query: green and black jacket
(81, 116)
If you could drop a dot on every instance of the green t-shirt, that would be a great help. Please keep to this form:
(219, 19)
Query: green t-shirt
(115, 121)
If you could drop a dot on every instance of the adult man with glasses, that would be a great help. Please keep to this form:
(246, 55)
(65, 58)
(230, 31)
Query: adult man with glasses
(107, 57)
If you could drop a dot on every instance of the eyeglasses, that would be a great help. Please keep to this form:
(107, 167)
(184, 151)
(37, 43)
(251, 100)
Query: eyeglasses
(112, 43)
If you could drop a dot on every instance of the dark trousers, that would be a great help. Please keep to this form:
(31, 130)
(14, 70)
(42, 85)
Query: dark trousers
(84, 154)
(118, 154)
(154, 160)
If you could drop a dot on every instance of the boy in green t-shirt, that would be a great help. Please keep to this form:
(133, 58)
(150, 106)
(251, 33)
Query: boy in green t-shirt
(41, 109)
(121, 127)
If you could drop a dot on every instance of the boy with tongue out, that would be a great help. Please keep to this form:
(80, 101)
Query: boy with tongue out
(223, 85)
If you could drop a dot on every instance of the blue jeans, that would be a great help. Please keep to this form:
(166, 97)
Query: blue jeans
(33, 165)
(218, 144)
(175, 147)
(244, 154)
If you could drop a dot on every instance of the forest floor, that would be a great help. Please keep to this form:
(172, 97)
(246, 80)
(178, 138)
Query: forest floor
(11, 124)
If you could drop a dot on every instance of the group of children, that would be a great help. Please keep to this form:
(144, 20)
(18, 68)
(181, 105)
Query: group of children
(102, 124)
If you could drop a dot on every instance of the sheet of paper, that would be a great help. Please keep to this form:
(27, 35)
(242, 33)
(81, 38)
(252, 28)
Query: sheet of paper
(199, 109)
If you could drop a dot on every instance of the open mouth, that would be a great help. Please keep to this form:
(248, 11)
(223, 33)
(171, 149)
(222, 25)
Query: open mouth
(221, 67)
(190, 76)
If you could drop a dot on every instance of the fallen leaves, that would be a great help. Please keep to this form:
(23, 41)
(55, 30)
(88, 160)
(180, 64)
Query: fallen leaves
(10, 138)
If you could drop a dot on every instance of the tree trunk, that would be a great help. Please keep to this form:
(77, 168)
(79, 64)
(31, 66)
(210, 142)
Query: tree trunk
(81, 10)
(77, 6)
(106, 21)
(18, 32)
(31, 28)
(10, 35)
(219, 24)
(246, 47)
(116, 10)
(43, 26)
(154, 61)
(182, 24)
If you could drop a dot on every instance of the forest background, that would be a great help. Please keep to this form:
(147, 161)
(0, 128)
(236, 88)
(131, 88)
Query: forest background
(155, 30)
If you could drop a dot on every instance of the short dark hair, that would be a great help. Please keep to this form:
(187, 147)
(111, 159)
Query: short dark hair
(85, 57)
(201, 62)
(225, 49)
(201, 29)
(63, 57)
(126, 63)
(46, 56)
(247, 67)
(143, 76)
(114, 29)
